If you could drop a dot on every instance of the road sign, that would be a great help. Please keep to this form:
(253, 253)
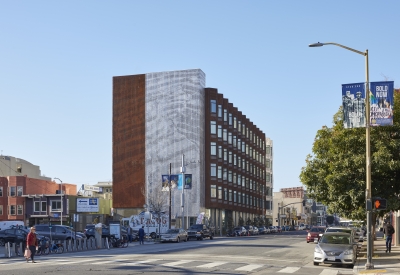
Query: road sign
(87, 205)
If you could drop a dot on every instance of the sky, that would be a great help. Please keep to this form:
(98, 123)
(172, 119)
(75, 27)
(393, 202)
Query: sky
(58, 58)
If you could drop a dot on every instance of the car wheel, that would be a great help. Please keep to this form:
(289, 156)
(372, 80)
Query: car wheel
(315, 263)
(178, 240)
(153, 235)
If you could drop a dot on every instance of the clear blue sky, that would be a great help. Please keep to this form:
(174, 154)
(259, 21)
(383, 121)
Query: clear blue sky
(57, 60)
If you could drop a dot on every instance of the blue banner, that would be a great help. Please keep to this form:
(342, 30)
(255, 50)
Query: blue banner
(381, 100)
(353, 102)
(176, 182)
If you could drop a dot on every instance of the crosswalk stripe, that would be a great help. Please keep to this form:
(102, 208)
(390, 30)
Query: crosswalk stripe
(141, 262)
(329, 272)
(249, 267)
(214, 264)
(177, 263)
(289, 269)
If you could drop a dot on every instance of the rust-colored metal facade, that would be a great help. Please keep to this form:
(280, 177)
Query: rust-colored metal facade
(128, 141)
(255, 170)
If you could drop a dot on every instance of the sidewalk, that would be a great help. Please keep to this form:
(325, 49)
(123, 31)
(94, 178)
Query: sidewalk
(384, 263)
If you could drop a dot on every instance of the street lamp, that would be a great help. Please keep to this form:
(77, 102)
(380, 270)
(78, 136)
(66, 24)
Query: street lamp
(61, 201)
(369, 264)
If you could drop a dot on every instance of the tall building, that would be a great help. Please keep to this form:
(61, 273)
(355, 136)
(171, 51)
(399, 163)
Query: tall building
(170, 119)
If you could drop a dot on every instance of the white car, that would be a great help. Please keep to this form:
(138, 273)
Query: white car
(273, 229)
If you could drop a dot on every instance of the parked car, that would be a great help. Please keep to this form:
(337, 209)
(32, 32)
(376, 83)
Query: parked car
(273, 229)
(249, 229)
(261, 230)
(279, 228)
(302, 226)
(350, 230)
(255, 230)
(336, 248)
(56, 232)
(174, 235)
(314, 233)
(240, 231)
(267, 230)
(15, 235)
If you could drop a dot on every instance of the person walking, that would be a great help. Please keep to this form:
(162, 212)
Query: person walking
(129, 231)
(389, 231)
(32, 243)
(141, 235)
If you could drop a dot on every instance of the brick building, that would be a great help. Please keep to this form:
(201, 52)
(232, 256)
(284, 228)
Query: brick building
(157, 118)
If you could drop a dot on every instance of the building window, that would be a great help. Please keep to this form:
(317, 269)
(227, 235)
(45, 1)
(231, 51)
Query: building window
(230, 157)
(239, 197)
(234, 178)
(39, 206)
(213, 106)
(230, 195)
(1, 191)
(243, 147)
(55, 206)
(225, 154)
(225, 115)
(234, 122)
(220, 192)
(234, 141)
(19, 191)
(247, 199)
(225, 135)
(251, 200)
(36, 206)
(219, 110)
(1, 210)
(230, 119)
(234, 159)
(229, 176)
(219, 131)
(44, 206)
(243, 163)
(239, 144)
(244, 198)
(247, 149)
(213, 191)
(213, 129)
(225, 194)
(268, 163)
(11, 210)
(239, 179)
(220, 172)
(268, 177)
(268, 150)
(229, 138)
(19, 210)
(239, 162)
(213, 170)
(225, 174)
(213, 148)
(220, 151)
(251, 184)
(239, 126)
(234, 196)
(12, 192)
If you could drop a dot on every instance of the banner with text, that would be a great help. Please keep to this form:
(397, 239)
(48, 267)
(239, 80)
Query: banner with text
(381, 99)
(176, 181)
(353, 103)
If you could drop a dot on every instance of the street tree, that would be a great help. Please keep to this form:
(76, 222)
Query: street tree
(335, 172)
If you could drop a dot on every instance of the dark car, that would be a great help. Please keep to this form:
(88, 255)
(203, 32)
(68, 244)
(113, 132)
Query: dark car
(15, 235)
(249, 230)
(105, 233)
(240, 231)
(262, 230)
(57, 232)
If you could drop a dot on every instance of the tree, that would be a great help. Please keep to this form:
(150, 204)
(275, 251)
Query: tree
(335, 171)
(157, 203)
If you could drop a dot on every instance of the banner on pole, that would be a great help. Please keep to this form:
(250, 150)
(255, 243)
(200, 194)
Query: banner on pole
(381, 99)
(353, 102)
(176, 181)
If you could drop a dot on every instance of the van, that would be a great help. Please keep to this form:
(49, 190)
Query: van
(9, 224)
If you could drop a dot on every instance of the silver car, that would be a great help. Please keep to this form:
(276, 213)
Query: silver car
(336, 248)
(174, 235)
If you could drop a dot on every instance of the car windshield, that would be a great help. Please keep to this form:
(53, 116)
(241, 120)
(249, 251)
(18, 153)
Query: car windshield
(335, 239)
(171, 231)
(339, 230)
(199, 226)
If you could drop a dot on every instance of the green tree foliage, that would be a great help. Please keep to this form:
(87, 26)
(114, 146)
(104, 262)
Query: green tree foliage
(335, 172)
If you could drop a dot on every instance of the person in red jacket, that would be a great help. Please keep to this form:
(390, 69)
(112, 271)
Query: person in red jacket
(32, 243)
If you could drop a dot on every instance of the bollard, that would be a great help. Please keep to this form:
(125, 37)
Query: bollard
(107, 244)
(6, 247)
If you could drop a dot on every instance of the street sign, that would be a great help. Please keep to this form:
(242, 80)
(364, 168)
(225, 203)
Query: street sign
(87, 205)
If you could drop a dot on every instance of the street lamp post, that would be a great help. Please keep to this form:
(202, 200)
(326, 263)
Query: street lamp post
(369, 264)
(61, 215)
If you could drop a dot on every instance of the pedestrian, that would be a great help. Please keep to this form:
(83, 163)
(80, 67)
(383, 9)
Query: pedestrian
(389, 231)
(141, 235)
(129, 231)
(32, 244)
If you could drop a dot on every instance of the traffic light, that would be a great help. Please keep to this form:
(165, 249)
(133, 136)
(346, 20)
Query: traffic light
(380, 204)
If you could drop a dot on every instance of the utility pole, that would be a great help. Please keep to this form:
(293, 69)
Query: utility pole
(169, 185)
(182, 194)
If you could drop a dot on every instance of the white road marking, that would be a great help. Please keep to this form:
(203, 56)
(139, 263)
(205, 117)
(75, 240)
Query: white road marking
(329, 272)
(289, 269)
(249, 267)
(177, 263)
(141, 262)
(209, 265)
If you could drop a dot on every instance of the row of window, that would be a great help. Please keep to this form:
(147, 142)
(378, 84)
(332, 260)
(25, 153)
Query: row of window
(235, 196)
(13, 191)
(41, 206)
(233, 121)
(230, 176)
(13, 209)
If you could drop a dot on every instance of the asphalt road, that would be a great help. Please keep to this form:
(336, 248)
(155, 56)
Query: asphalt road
(283, 253)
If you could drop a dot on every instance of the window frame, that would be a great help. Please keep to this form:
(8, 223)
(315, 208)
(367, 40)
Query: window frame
(213, 106)
(213, 191)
